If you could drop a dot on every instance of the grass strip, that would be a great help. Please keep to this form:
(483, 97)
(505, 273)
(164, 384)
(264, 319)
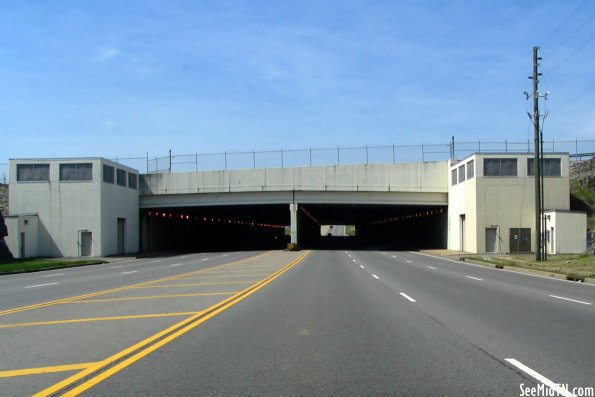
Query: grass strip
(580, 265)
(34, 265)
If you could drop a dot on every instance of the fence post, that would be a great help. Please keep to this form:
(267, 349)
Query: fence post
(169, 160)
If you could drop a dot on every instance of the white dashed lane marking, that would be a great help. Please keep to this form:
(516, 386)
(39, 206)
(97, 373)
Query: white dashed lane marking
(568, 299)
(40, 285)
(404, 295)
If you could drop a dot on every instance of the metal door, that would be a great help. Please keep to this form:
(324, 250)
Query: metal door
(121, 235)
(520, 240)
(86, 243)
(491, 239)
(23, 250)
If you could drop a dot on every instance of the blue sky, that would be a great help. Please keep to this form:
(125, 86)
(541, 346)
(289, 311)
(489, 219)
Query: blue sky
(123, 78)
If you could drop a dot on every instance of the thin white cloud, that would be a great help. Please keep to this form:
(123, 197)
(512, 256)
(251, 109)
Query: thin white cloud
(107, 53)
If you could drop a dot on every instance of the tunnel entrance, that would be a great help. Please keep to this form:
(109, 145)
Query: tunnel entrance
(214, 228)
(376, 227)
(260, 227)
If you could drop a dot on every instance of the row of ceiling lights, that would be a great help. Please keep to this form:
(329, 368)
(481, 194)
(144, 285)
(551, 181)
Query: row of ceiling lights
(420, 214)
(169, 215)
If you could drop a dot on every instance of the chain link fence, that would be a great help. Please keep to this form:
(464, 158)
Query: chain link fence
(308, 157)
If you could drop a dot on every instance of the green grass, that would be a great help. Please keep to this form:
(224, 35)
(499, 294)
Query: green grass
(579, 265)
(32, 265)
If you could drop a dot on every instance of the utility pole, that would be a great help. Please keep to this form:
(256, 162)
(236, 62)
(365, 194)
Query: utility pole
(537, 159)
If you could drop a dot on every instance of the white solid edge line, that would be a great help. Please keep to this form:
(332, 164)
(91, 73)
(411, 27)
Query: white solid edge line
(568, 299)
(132, 271)
(559, 390)
(376, 277)
(40, 285)
(410, 299)
(204, 259)
(500, 270)
(431, 267)
(176, 264)
(474, 278)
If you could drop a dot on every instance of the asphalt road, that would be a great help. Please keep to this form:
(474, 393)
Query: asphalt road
(334, 323)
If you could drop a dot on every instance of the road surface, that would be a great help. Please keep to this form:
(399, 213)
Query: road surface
(281, 323)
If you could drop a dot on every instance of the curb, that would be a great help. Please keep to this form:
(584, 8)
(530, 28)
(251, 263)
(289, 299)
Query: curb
(567, 277)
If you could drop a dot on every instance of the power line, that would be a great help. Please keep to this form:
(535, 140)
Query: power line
(589, 88)
(563, 23)
(573, 54)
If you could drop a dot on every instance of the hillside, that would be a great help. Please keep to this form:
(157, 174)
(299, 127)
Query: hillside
(4, 199)
(582, 188)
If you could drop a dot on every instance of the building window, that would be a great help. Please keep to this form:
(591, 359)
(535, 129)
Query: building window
(500, 167)
(33, 172)
(108, 173)
(132, 180)
(453, 177)
(121, 177)
(461, 173)
(551, 167)
(470, 169)
(76, 172)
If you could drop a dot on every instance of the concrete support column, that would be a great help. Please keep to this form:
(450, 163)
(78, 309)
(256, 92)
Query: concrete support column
(293, 209)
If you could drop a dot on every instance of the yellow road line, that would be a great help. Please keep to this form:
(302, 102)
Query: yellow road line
(92, 319)
(44, 370)
(239, 270)
(195, 284)
(235, 275)
(134, 298)
(148, 346)
(99, 293)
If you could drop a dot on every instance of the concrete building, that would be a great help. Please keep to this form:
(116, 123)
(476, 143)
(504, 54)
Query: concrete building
(96, 207)
(72, 207)
(491, 205)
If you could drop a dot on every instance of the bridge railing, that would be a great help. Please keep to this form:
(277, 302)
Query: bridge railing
(306, 157)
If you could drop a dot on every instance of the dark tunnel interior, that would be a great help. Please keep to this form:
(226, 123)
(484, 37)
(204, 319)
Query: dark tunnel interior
(259, 227)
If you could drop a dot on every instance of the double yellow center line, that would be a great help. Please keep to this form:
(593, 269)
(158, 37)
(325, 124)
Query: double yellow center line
(98, 372)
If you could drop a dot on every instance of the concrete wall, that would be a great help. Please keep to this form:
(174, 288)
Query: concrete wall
(65, 208)
(23, 229)
(119, 202)
(567, 232)
(405, 177)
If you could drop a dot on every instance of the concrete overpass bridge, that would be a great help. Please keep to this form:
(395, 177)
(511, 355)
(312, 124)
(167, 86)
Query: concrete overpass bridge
(399, 205)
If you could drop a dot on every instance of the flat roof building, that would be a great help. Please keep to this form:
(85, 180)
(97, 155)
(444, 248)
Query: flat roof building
(72, 207)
